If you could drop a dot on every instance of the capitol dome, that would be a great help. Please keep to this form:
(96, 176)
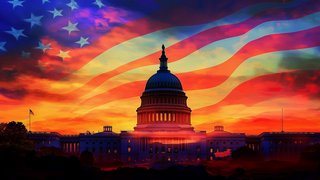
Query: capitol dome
(163, 103)
(163, 80)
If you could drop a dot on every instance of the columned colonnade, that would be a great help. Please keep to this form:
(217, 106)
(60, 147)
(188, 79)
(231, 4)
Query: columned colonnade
(163, 117)
(71, 147)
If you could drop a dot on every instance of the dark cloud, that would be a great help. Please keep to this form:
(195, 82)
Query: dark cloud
(305, 75)
(8, 74)
(299, 82)
(19, 93)
(301, 60)
(183, 12)
(13, 66)
(13, 94)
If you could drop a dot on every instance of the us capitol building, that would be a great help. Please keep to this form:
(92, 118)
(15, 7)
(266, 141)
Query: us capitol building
(164, 132)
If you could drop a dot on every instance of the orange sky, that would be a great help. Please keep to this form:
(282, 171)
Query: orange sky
(239, 69)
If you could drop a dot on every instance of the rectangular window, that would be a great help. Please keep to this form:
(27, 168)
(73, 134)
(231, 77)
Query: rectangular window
(169, 149)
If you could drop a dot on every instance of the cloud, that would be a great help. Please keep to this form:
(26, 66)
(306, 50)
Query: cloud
(304, 83)
(300, 60)
(261, 123)
(67, 125)
(13, 94)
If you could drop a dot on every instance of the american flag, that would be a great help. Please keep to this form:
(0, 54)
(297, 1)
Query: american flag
(31, 112)
(82, 64)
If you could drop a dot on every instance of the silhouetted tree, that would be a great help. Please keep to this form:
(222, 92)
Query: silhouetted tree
(2, 128)
(14, 134)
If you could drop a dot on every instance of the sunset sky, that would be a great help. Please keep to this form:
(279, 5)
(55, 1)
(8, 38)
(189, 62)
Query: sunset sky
(82, 64)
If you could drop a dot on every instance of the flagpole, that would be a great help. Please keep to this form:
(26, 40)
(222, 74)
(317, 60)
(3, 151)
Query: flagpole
(282, 121)
(29, 121)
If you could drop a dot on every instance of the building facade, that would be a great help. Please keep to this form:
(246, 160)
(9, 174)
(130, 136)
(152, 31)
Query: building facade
(164, 132)
(286, 145)
(105, 145)
(220, 143)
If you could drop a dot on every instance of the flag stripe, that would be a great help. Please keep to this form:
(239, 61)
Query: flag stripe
(276, 42)
(245, 73)
(192, 44)
(144, 26)
(110, 58)
(206, 60)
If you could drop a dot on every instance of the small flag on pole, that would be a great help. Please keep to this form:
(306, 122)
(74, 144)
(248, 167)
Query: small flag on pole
(31, 112)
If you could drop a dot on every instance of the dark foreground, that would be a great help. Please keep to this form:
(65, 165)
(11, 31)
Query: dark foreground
(22, 164)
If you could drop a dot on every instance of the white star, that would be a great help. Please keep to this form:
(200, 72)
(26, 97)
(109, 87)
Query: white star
(16, 33)
(25, 54)
(83, 41)
(44, 1)
(73, 5)
(99, 3)
(64, 54)
(56, 12)
(16, 3)
(2, 48)
(43, 47)
(34, 20)
(71, 27)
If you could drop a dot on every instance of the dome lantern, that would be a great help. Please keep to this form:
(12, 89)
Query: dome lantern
(163, 60)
